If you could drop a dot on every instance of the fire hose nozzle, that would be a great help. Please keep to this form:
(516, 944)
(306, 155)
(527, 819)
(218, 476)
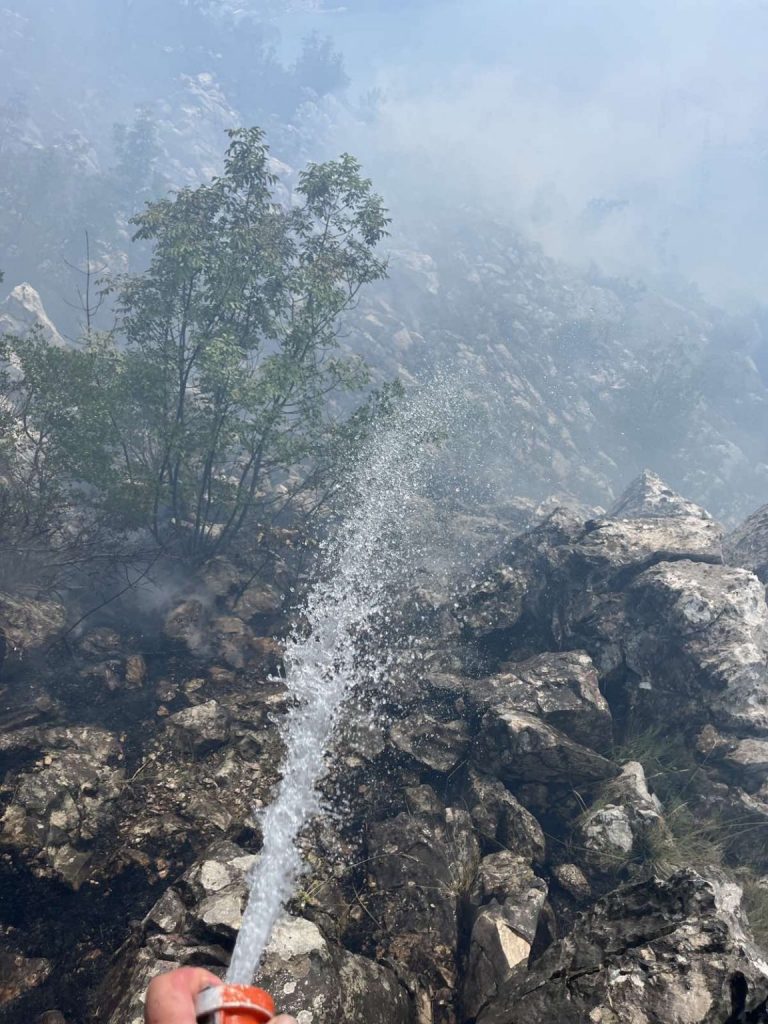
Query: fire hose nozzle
(234, 1004)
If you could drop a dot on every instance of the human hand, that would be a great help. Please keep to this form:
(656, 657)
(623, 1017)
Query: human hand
(171, 997)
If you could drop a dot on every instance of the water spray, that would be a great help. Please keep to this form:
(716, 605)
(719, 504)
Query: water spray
(369, 558)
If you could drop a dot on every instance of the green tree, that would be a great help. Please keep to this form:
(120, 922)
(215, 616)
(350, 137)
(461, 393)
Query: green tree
(209, 412)
(231, 341)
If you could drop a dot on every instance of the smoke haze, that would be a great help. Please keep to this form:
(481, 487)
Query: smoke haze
(632, 135)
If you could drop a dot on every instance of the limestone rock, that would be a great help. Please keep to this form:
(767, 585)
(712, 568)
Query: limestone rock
(648, 497)
(572, 879)
(23, 312)
(201, 728)
(625, 815)
(609, 547)
(258, 599)
(220, 576)
(519, 747)
(747, 545)
(60, 806)
(501, 820)
(232, 638)
(748, 763)
(503, 877)
(323, 984)
(27, 624)
(561, 689)
(19, 974)
(697, 636)
(120, 998)
(438, 745)
(187, 624)
(100, 644)
(673, 950)
(509, 898)
(419, 871)
(495, 604)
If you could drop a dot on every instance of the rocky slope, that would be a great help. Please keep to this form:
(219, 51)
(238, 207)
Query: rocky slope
(559, 811)
(584, 379)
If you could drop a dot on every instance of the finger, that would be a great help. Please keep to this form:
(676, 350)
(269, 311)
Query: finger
(171, 997)
(283, 1019)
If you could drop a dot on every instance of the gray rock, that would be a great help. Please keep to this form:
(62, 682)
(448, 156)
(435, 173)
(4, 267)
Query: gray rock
(20, 974)
(626, 814)
(121, 996)
(23, 312)
(215, 891)
(259, 599)
(28, 624)
(63, 804)
(323, 984)
(187, 624)
(561, 689)
(696, 638)
(572, 879)
(648, 497)
(168, 915)
(99, 644)
(673, 950)
(199, 729)
(433, 744)
(747, 545)
(231, 638)
(495, 604)
(748, 763)
(504, 878)
(499, 817)
(419, 872)
(220, 576)
(495, 949)
(519, 747)
(509, 898)
(609, 547)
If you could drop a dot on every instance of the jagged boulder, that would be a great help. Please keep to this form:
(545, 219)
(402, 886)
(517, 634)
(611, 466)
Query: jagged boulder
(696, 638)
(561, 689)
(747, 545)
(747, 763)
(675, 950)
(19, 974)
(187, 624)
(216, 889)
(610, 549)
(494, 605)
(430, 742)
(326, 984)
(421, 865)
(27, 624)
(620, 828)
(559, 575)
(649, 497)
(60, 807)
(508, 898)
(500, 820)
(572, 881)
(200, 728)
(23, 312)
(195, 923)
(519, 747)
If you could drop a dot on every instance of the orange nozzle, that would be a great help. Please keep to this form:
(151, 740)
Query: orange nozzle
(234, 1004)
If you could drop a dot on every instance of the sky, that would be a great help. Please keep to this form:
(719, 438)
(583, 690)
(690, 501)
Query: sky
(633, 134)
